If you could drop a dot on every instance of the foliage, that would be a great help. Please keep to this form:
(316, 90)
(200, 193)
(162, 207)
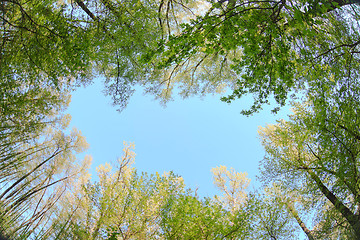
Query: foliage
(271, 218)
(126, 205)
(268, 48)
(122, 204)
(315, 155)
(187, 217)
(37, 152)
(233, 185)
(263, 48)
(52, 43)
(35, 173)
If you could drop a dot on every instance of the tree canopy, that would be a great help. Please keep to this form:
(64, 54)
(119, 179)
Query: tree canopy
(263, 48)
(124, 204)
(269, 49)
(315, 155)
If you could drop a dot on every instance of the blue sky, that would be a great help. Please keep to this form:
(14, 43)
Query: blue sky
(188, 136)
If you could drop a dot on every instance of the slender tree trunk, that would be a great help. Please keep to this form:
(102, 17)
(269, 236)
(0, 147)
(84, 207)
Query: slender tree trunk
(352, 218)
(295, 214)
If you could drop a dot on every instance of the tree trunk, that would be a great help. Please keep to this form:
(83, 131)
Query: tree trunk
(295, 214)
(352, 218)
